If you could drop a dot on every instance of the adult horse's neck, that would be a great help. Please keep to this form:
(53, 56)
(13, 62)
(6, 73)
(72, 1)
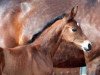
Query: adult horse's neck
(50, 39)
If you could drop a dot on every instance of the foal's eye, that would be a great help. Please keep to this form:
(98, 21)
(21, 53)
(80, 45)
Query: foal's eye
(74, 29)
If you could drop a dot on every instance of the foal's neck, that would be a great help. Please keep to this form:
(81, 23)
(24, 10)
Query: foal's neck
(49, 40)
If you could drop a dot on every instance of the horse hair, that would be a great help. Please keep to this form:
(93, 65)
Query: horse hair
(35, 36)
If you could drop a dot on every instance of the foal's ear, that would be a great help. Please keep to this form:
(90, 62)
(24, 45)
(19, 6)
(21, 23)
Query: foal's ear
(73, 12)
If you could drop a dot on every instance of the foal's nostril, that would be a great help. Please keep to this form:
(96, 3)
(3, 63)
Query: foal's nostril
(89, 46)
(86, 45)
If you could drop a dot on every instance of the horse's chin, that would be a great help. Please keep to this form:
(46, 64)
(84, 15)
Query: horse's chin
(85, 51)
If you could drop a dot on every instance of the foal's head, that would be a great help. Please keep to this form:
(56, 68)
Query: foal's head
(73, 33)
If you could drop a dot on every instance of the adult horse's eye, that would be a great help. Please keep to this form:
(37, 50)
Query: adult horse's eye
(74, 29)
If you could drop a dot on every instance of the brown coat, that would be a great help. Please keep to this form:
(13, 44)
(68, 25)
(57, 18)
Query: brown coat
(24, 60)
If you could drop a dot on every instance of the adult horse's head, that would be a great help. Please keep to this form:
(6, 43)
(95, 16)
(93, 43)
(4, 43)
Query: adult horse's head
(73, 33)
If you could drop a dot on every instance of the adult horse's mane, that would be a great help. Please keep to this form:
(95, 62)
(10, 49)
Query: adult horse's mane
(35, 36)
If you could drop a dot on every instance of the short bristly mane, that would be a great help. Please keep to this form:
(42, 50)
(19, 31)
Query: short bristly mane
(35, 36)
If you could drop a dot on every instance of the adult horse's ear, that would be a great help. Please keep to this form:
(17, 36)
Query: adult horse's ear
(73, 12)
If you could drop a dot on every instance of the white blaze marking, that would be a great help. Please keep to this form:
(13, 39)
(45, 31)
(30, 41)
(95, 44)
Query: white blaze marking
(78, 24)
(25, 8)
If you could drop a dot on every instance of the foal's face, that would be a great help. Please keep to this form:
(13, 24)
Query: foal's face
(73, 33)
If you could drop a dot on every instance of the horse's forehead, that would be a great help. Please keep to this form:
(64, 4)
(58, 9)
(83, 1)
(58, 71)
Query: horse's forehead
(76, 23)
(73, 23)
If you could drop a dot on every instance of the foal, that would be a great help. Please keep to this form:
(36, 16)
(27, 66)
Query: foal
(36, 58)
(65, 28)
(62, 39)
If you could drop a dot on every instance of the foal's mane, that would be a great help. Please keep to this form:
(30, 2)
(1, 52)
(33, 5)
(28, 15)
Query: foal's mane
(50, 23)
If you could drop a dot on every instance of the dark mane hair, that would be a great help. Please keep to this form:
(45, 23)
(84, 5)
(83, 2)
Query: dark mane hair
(35, 36)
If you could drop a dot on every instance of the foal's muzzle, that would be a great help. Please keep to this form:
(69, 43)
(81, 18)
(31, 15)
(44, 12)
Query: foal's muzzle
(89, 47)
(86, 45)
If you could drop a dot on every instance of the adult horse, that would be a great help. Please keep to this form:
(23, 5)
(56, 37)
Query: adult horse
(36, 58)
